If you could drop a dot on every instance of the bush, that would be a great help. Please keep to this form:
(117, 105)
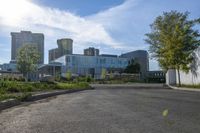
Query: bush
(72, 85)
(21, 90)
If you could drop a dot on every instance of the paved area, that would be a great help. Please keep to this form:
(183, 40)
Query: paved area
(108, 109)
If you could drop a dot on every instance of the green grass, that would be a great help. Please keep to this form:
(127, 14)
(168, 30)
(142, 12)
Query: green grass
(117, 81)
(80, 85)
(21, 90)
(191, 86)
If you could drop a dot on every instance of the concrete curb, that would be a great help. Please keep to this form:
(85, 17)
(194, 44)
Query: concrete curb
(12, 102)
(51, 94)
(183, 89)
(134, 85)
(9, 103)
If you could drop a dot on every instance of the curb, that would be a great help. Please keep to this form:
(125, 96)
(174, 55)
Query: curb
(134, 85)
(51, 94)
(184, 89)
(9, 103)
(13, 102)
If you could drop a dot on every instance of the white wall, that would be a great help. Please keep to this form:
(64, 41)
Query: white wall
(191, 78)
(171, 77)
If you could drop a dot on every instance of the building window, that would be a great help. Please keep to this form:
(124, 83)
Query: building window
(67, 59)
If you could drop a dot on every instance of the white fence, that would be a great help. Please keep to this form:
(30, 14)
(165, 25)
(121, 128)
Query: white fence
(190, 78)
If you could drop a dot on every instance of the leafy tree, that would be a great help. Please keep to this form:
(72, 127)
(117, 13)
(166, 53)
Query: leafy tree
(172, 40)
(27, 59)
(68, 75)
(133, 67)
(111, 76)
(103, 73)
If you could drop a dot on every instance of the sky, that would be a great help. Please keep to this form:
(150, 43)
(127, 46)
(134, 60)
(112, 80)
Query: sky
(113, 26)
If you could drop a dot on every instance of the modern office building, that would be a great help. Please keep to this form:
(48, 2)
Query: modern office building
(90, 65)
(65, 46)
(91, 51)
(141, 57)
(22, 38)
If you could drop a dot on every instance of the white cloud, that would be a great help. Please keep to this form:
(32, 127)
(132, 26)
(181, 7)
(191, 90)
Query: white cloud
(126, 24)
(115, 16)
(54, 23)
(108, 29)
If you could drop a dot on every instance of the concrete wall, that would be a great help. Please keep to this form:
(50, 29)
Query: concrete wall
(189, 78)
(171, 77)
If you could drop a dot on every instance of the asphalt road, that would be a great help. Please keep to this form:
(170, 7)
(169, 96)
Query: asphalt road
(108, 109)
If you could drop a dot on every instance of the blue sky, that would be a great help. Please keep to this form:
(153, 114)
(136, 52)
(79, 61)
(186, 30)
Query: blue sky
(113, 26)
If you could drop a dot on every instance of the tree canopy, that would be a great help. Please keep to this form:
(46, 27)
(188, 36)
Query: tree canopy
(133, 67)
(173, 39)
(27, 59)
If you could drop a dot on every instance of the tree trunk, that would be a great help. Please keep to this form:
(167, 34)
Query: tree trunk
(179, 78)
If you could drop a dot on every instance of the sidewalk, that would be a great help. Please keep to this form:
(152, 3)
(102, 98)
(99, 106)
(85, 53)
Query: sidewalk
(183, 88)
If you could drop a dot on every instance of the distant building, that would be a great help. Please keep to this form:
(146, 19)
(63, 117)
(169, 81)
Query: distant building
(91, 51)
(22, 38)
(91, 65)
(53, 54)
(9, 67)
(141, 57)
(10, 74)
(156, 77)
(108, 55)
(65, 46)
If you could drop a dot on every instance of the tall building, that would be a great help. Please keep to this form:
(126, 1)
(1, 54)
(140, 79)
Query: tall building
(91, 51)
(22, 38)
(65, 46)
(140, 56)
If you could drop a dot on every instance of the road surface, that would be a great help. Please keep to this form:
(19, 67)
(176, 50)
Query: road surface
(108, 109)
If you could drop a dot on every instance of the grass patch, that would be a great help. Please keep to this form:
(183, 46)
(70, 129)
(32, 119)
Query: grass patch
(80, 85)
(191, 86)
(22, 90)
(117, 81)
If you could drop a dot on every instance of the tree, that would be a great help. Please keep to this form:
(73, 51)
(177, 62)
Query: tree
(68, 75)
(27, 59)
(133, 67)
(103, 73)
(172, 40)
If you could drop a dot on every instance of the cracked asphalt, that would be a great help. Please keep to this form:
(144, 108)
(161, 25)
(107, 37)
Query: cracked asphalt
(108, 109)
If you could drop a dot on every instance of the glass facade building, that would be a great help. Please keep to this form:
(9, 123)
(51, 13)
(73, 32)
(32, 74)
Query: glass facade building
(91, 65)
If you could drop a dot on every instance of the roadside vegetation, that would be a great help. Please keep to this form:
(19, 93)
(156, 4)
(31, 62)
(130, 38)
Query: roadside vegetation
(191, 86)
(173, 40)
(21, 90)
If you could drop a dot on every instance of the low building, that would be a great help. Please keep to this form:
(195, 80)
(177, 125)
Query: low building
(91, 65)
(9, 67)
(10, 74)
(53, 69)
